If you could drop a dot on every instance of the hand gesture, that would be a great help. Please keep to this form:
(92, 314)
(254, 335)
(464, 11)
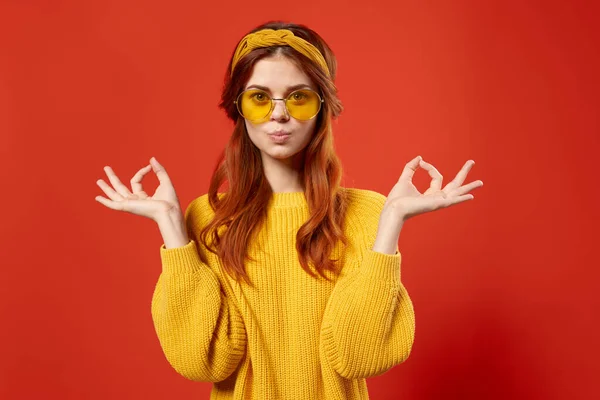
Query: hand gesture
(406, 201)
(136, 201)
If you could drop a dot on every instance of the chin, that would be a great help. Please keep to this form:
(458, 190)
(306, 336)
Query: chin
(280, 154)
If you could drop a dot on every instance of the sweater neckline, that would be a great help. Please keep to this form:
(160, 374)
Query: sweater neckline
(288, 199)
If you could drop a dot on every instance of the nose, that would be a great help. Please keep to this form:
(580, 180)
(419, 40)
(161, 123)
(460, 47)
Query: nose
(280, 112)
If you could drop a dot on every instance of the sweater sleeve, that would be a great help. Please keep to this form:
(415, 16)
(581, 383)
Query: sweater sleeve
(199, 328)
(369, 322)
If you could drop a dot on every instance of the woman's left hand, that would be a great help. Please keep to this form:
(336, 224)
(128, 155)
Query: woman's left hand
(405, 201)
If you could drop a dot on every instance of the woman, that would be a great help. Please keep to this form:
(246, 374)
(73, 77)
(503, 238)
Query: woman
(285, 285)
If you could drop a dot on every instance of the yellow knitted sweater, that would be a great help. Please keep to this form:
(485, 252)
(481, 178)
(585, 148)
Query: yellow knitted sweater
(291, 336)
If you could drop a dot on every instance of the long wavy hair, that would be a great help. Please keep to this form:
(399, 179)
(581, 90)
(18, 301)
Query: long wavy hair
(242, 210)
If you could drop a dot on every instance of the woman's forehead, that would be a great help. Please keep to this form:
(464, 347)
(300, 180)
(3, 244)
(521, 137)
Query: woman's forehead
(278, 74)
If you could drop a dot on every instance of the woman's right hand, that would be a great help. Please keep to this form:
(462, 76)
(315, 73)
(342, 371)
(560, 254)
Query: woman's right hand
(163, 201)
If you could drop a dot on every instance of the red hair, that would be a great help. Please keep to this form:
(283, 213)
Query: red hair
(243, 208)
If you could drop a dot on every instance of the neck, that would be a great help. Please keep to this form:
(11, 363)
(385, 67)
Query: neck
(283, 175)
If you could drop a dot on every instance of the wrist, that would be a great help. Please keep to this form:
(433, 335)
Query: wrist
(391, 220)
(173, 229)
(393, 213)
(170, 216)
(388, 231)
(385, 243)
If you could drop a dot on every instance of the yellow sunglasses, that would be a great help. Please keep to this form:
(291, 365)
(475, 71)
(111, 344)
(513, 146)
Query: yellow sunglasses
(256, 105)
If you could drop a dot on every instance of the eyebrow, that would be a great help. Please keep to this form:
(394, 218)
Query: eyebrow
(289, 88)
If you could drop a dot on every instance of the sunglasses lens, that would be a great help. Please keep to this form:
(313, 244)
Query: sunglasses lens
(254, 105)
(303, 104)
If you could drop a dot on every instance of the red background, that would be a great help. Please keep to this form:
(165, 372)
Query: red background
(505, 286)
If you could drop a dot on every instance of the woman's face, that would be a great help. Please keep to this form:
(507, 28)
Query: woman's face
(279, 76)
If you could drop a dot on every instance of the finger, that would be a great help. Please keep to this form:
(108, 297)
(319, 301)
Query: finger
(136, 181)
(461, 176)
(466, 188)
(452, 201)
(114, 205)
(436, 177)
(442, 200)
(117, 184)
(409, 169)
(462, 199)
(160, 172)
(109, 191)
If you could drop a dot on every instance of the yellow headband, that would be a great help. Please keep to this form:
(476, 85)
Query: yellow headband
(270, 37)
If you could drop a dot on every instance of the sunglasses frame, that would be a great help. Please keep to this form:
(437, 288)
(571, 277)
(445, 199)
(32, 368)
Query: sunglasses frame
(266, 117)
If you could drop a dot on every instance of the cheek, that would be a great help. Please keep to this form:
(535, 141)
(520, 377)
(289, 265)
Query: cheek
(253, 133)
(309, 129)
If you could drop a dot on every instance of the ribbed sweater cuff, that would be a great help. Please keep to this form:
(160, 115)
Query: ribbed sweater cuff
(184, 259)
(382, 266)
